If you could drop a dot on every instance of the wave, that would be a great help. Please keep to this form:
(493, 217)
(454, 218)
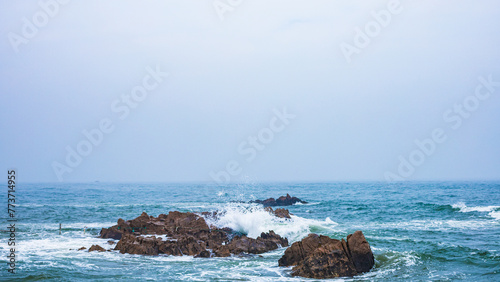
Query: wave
(493, 211)
(465, 208)
(429, 225)
(495, 214)
(252, 220)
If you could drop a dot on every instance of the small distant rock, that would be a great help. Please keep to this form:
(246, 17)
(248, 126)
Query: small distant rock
(82, 248)
(281, 201)
(96, 248)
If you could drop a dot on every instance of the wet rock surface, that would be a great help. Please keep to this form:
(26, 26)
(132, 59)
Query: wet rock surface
(96, 248)
(281, 213)
(178, 234)
(321, 257)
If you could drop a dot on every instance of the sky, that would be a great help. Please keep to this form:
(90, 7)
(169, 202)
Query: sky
(250, 91)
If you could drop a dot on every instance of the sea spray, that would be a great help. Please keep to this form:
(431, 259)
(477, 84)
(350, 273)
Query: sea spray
(252, 220)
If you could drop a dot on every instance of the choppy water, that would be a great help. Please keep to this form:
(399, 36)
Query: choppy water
(418, 231)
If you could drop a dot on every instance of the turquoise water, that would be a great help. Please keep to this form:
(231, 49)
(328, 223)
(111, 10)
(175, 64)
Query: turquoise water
(420, 231)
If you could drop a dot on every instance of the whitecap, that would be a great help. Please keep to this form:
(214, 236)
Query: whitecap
(495, 214)
(465, 208)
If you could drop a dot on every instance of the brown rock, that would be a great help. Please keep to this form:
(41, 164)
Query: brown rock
(96, 248)
(188, 234)
(138, 245)
(322, 257)
(282, 213)
(327, 261)
(300, 250)
(170, 248)
(222, 251)
(361, 253)
(203, 254)
(82, 248)
(264, 243)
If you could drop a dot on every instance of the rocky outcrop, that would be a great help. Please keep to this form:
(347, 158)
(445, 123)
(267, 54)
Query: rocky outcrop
(281, 213)
(264, 243)
(360, 251)
(321, 257)
(96, 248)
(186, 234)
(281, 201)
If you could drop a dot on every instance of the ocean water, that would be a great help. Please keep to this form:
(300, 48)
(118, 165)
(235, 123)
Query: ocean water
(418, 231)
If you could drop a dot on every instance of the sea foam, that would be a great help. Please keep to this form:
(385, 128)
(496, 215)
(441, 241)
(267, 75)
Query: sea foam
(493, 211)
(252, 220)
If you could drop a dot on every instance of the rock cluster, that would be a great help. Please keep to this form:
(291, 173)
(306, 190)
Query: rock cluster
(321, 257)
(281, 201)
(186, 234)
(178, 233)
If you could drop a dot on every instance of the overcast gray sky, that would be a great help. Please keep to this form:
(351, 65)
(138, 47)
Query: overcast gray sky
(233, 65)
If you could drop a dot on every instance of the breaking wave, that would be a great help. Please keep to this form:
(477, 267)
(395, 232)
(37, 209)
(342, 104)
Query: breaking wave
(252, 220)
(493, 211)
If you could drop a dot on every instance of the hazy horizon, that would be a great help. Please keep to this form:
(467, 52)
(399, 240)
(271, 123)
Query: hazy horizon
(181, 91)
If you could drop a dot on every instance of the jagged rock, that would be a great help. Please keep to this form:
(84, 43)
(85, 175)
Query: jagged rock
(322, 257)
(281, 213)
(222, 251)
(96, 248)
(82, 248)
(264, 243)
(187, 234)
(361, 252)
(281, 201)
(134, 245)
(173, 223)
(328, 261)
(300, 250)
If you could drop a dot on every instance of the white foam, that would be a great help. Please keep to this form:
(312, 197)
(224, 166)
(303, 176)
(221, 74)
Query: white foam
(440, 225)
(308, 204)
(495, 214)
(253, 220)
(465, 208)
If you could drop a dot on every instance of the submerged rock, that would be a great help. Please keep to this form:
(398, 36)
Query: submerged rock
(321, 257)
(281, 201)
(186, 234)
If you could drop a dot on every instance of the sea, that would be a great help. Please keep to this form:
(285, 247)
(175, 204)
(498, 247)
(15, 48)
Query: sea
(418, 231)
